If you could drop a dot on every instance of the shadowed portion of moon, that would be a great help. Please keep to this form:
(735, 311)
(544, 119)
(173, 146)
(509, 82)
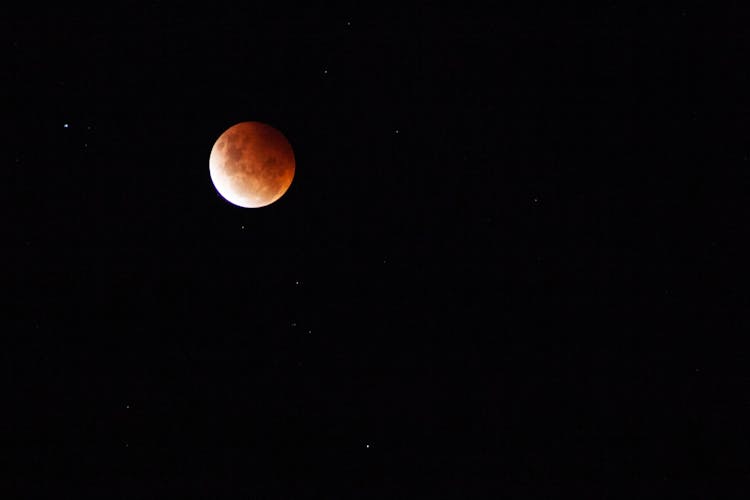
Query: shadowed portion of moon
(251, 164)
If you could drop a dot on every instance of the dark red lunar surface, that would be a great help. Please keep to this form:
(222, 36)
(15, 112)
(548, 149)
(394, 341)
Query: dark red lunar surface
(252, 164)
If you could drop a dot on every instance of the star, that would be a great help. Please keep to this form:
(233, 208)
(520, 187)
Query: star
(325, 71)
(65, 125)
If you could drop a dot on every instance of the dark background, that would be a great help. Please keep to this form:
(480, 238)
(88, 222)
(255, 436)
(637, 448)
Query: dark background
(512, 260)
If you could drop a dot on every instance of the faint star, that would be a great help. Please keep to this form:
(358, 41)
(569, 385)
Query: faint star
(325, 71)
(397, 131)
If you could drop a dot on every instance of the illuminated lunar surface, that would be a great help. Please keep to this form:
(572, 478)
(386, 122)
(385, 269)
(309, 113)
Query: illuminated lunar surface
(251, 164)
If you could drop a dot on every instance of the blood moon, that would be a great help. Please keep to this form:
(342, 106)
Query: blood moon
(251, 164)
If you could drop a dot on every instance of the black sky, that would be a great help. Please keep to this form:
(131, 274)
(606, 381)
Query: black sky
(512, 257)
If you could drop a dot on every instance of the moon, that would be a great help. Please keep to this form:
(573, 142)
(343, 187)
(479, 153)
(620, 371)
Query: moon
(251, 164)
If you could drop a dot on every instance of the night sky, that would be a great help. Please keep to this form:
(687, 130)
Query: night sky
(512, 259)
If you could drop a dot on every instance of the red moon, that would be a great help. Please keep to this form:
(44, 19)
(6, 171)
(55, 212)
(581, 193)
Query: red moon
(251, 164)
